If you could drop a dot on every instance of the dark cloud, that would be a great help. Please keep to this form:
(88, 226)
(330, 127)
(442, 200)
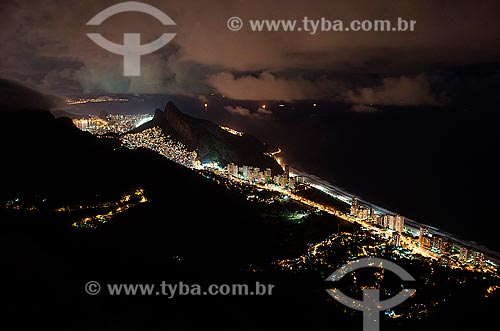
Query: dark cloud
(268, 86)
(364, 109)
(260, 114)
(409, 91)
(18, 97)
(44, 44)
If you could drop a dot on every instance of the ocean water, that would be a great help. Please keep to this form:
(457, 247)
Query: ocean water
(436, 167)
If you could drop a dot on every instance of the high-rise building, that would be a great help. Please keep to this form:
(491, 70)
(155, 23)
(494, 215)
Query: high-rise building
(260, 177)
(354, 206)
(392, 222)
(436, 241)
(464, 254)
(232, 169)
(287, 172)
(396, 239)
(245, 172)
(426, 242)
(385, 224)
(283, 181)
(400, 224)
(424, 238)
(267, 174)
(445, 246)
(251, 174)
(478, 258)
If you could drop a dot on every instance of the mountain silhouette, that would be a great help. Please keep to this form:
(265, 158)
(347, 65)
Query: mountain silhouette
(211, 142)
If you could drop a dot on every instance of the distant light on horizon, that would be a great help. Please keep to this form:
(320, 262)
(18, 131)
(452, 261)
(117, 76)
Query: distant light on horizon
(232, 131)
(100, 99)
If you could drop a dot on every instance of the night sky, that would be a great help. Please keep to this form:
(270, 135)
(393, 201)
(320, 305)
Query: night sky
(451, 58)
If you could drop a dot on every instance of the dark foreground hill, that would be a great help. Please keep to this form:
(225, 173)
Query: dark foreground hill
(192, 230)
(50, 160)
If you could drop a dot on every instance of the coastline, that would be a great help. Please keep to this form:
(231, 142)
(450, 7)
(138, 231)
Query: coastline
(411, 224)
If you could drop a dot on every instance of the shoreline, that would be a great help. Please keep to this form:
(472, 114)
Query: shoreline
(342, 195)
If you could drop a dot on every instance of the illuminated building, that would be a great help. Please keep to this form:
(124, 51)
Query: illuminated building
(400, 224)
(280, 180)
(392, 222)
(478, 258)
(267, 174)
(426, 242)
(283, 181)
(436, 241)
(385, 223)
(245, 172)
(287, 172)
(464, 254)
(354, 206)
(232, 169)
(396, 239)
(445, 246)
(425, 239)
(251, 174)
(260, 177)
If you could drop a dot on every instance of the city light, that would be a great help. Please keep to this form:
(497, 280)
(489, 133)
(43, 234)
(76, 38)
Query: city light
(83, 101)
(232, 131)
(112, 123)
(110, 209)
(155, 140)
(391, 228)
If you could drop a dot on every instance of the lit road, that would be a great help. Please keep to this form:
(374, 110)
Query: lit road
(345, 217)
(343, 195)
